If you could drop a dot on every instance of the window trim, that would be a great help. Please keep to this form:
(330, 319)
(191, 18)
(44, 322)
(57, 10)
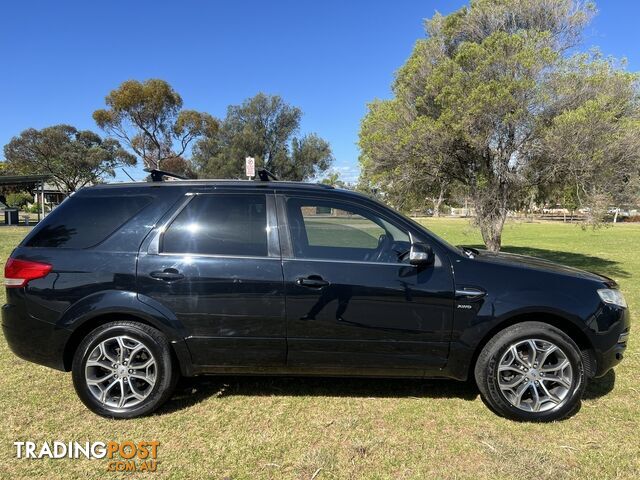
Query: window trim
(273, 249)
(357, 262)
(287, 243)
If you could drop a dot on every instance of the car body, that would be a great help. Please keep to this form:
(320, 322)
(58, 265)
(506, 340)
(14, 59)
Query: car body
(250, 277)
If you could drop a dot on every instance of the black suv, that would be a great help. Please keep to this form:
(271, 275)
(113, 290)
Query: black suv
(130, 286)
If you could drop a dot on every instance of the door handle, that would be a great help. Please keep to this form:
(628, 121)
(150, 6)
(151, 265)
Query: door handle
(312, 281)
(168, 275)
(470, 293)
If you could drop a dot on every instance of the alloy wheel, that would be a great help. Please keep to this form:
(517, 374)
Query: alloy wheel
(535, 375)
(120, 372)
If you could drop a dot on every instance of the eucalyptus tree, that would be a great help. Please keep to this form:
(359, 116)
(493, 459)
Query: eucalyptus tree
(73, 158)
(496, 101)
(149, 119)
(267, 128)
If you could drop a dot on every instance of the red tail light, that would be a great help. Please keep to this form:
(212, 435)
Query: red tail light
(17, 273)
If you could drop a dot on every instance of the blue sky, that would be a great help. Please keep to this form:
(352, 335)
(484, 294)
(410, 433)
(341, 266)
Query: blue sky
(58, 59)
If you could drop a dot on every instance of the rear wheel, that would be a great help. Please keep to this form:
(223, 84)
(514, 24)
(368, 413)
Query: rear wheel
(531, 371)
(124, 369)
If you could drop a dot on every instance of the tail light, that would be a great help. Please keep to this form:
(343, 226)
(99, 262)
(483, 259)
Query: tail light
(17, 273)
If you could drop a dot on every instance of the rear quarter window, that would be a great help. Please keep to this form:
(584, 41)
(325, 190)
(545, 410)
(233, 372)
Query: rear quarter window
(83, 222)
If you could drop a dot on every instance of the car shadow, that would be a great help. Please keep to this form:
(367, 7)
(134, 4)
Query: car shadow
(610, 268)
(599, 387)
(191, 391)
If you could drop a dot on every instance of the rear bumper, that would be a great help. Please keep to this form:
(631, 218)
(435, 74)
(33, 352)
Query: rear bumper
(32, 339)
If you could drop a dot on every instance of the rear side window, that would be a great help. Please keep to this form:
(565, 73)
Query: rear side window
(225, 224)
(82, 222)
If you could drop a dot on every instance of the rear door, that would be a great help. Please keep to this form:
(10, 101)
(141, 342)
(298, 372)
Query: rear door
(216, 264)
(353, 301)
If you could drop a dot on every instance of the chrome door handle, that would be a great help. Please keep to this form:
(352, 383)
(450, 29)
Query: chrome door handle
(168, 275)
(470, 293)
(312, 281)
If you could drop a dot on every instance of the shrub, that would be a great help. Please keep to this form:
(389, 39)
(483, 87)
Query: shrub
(19, 199)
(35, 208)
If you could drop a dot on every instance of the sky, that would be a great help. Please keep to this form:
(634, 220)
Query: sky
(58, 59)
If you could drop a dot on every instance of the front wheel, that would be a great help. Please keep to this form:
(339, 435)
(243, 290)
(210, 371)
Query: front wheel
(531, 371)
(124, 369)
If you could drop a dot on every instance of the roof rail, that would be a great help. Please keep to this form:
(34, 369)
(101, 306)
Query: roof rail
(158, 175)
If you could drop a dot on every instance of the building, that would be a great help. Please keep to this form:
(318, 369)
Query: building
(52, 196)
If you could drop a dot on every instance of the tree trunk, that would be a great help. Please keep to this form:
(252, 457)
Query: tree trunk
(491, 230)
(491, 225)
(438, 201)
(491, 202)
(532, 201)
(436, 207)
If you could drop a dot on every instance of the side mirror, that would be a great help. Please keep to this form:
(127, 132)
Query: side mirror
(421, 254)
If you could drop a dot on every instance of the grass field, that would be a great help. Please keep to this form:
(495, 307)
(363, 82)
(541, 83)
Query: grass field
(326, 428)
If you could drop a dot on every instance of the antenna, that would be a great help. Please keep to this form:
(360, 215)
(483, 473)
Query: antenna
(127, 174)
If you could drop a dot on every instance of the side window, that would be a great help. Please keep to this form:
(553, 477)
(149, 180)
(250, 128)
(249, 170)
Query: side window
(83, 222)
(333, 230)
(224, 224)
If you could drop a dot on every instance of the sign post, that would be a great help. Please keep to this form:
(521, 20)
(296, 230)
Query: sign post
(250, 167)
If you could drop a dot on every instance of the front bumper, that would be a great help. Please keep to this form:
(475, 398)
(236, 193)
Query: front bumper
(32, 339)
(611, 345)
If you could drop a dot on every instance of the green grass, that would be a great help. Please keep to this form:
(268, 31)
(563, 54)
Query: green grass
(356, 232)
(294, 428)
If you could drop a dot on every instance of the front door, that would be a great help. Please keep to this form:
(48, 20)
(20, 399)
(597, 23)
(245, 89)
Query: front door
(353, 300)
(216, 265)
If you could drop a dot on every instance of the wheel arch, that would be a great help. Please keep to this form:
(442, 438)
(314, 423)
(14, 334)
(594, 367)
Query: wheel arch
(554, 319)
(179, 348)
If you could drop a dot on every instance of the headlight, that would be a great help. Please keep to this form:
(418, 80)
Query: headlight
(612, 297)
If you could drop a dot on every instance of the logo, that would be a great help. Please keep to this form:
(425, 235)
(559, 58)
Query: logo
(124, 456)
(464, 306)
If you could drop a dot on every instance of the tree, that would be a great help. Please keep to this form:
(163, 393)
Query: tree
(148, 117)
(333, 179)
(492, 102)
(73, 158)
(596, 145)
(394, 163)
(180, 166)
(19, 199)
(264, 127)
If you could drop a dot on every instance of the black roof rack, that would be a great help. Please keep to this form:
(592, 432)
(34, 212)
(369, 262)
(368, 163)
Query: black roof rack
(158, 175)
(265, 175)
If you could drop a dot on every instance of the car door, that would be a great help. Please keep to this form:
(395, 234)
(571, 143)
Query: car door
(353, 301)
(215, 263)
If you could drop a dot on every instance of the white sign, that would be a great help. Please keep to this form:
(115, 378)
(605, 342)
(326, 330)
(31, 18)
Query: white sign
(250, 166)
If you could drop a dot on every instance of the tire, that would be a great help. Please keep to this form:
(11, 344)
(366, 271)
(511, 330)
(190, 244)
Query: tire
(127, 386)
(514, 385)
